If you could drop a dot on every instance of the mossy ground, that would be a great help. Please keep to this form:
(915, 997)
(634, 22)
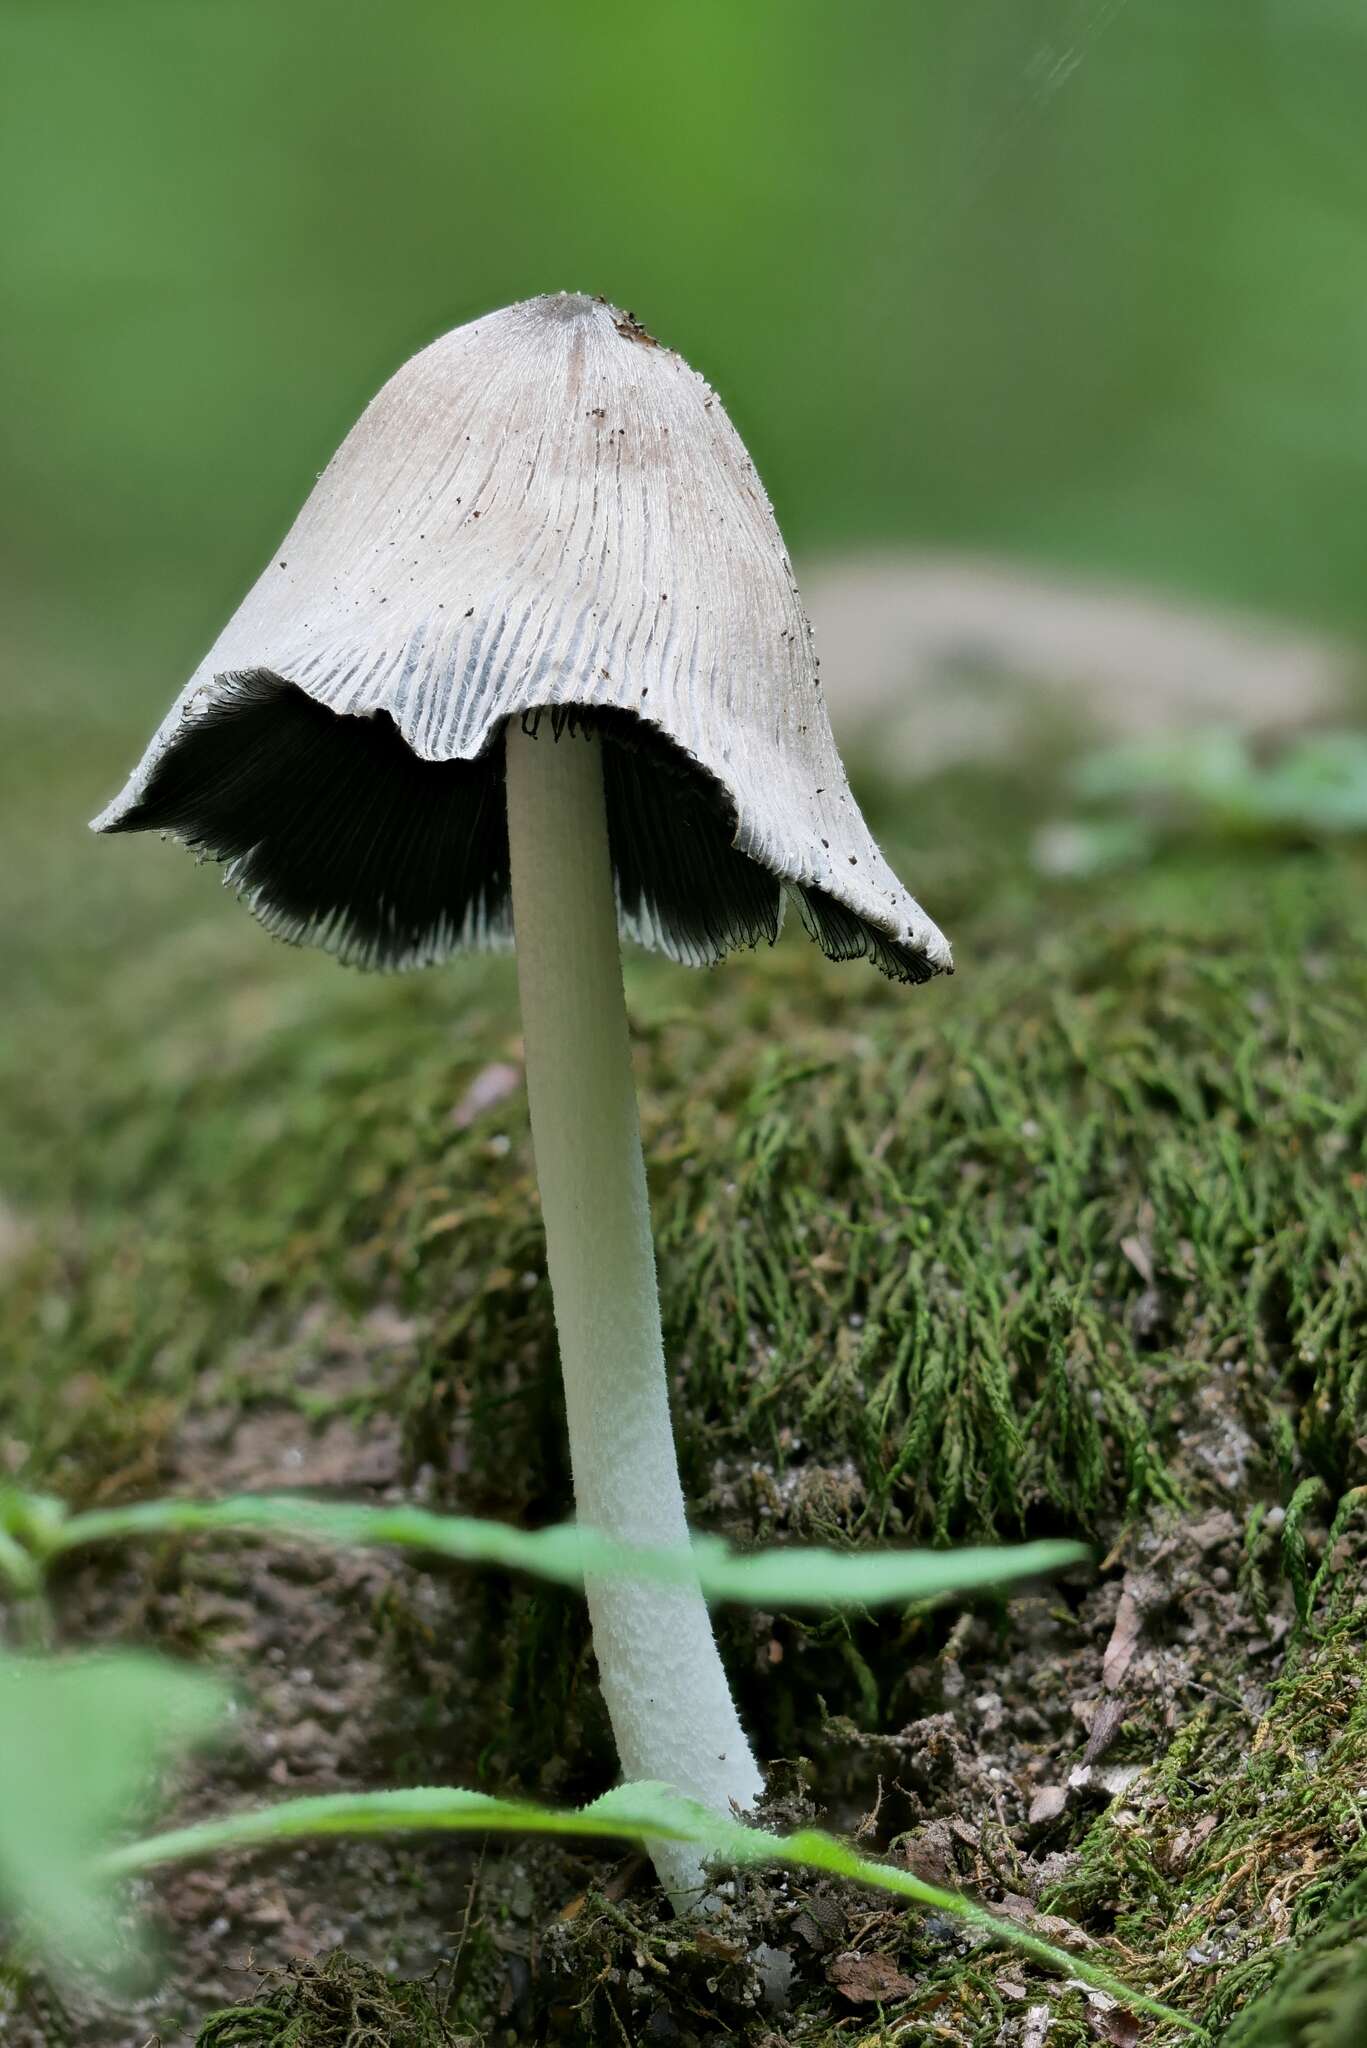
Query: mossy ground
(1074, 1243)
(337, 2001)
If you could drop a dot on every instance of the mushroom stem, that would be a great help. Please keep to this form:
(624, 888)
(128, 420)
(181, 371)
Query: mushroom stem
(667, 1695)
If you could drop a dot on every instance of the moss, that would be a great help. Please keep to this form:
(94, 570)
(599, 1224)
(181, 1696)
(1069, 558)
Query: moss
(985, 1244)
(1233, 1848)
(337, 2003)
(1317, 1998)
(1072, 1240)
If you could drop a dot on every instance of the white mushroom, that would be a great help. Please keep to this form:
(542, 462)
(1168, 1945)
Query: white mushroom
(532, 659)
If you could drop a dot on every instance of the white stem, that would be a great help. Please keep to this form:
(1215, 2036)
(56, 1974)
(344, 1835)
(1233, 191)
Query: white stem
(667, 1694)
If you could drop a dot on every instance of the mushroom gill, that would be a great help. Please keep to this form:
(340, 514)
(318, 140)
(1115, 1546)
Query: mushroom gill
(338, 834)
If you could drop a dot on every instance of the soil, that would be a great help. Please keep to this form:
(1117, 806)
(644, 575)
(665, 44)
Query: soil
(1019, 1728)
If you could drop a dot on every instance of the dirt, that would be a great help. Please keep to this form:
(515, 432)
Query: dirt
(309, 1633)
(1017, 1731)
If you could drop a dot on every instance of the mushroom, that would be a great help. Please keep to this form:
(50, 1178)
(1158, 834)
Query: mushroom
(532, 660)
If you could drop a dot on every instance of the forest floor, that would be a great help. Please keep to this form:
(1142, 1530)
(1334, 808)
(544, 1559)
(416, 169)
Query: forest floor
(1074, 1244)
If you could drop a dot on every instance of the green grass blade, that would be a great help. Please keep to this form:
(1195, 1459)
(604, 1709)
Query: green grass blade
(80, 1740)
(815, 1577)
(20, 1572)
(640, 1812)
(423, 1809)
(783, 1578)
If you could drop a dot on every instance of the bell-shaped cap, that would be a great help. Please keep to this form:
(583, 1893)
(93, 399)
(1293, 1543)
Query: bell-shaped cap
(544, 512)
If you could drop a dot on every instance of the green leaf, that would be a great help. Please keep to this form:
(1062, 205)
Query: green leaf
(1317, 783)
(783, 1578)
(1209, 766)
(1320, 782)
(638, 1812)
(821, 1578)
(80, 1739)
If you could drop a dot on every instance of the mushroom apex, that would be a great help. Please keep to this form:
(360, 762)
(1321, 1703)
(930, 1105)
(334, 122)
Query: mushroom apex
(544, 510)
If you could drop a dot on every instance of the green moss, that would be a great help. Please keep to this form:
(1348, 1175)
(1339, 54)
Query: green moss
(1233, 1849)
(1077, 1235)
(338, 2003)
(1317, 1998)
(903, 1229)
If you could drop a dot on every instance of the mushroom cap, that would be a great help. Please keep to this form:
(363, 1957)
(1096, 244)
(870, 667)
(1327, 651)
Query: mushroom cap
(544, 511)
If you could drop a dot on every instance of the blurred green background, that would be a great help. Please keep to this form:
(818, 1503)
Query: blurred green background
(1078, 283)
(1084, 280)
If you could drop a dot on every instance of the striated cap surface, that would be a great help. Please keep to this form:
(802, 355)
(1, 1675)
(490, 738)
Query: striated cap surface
(544, 511)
